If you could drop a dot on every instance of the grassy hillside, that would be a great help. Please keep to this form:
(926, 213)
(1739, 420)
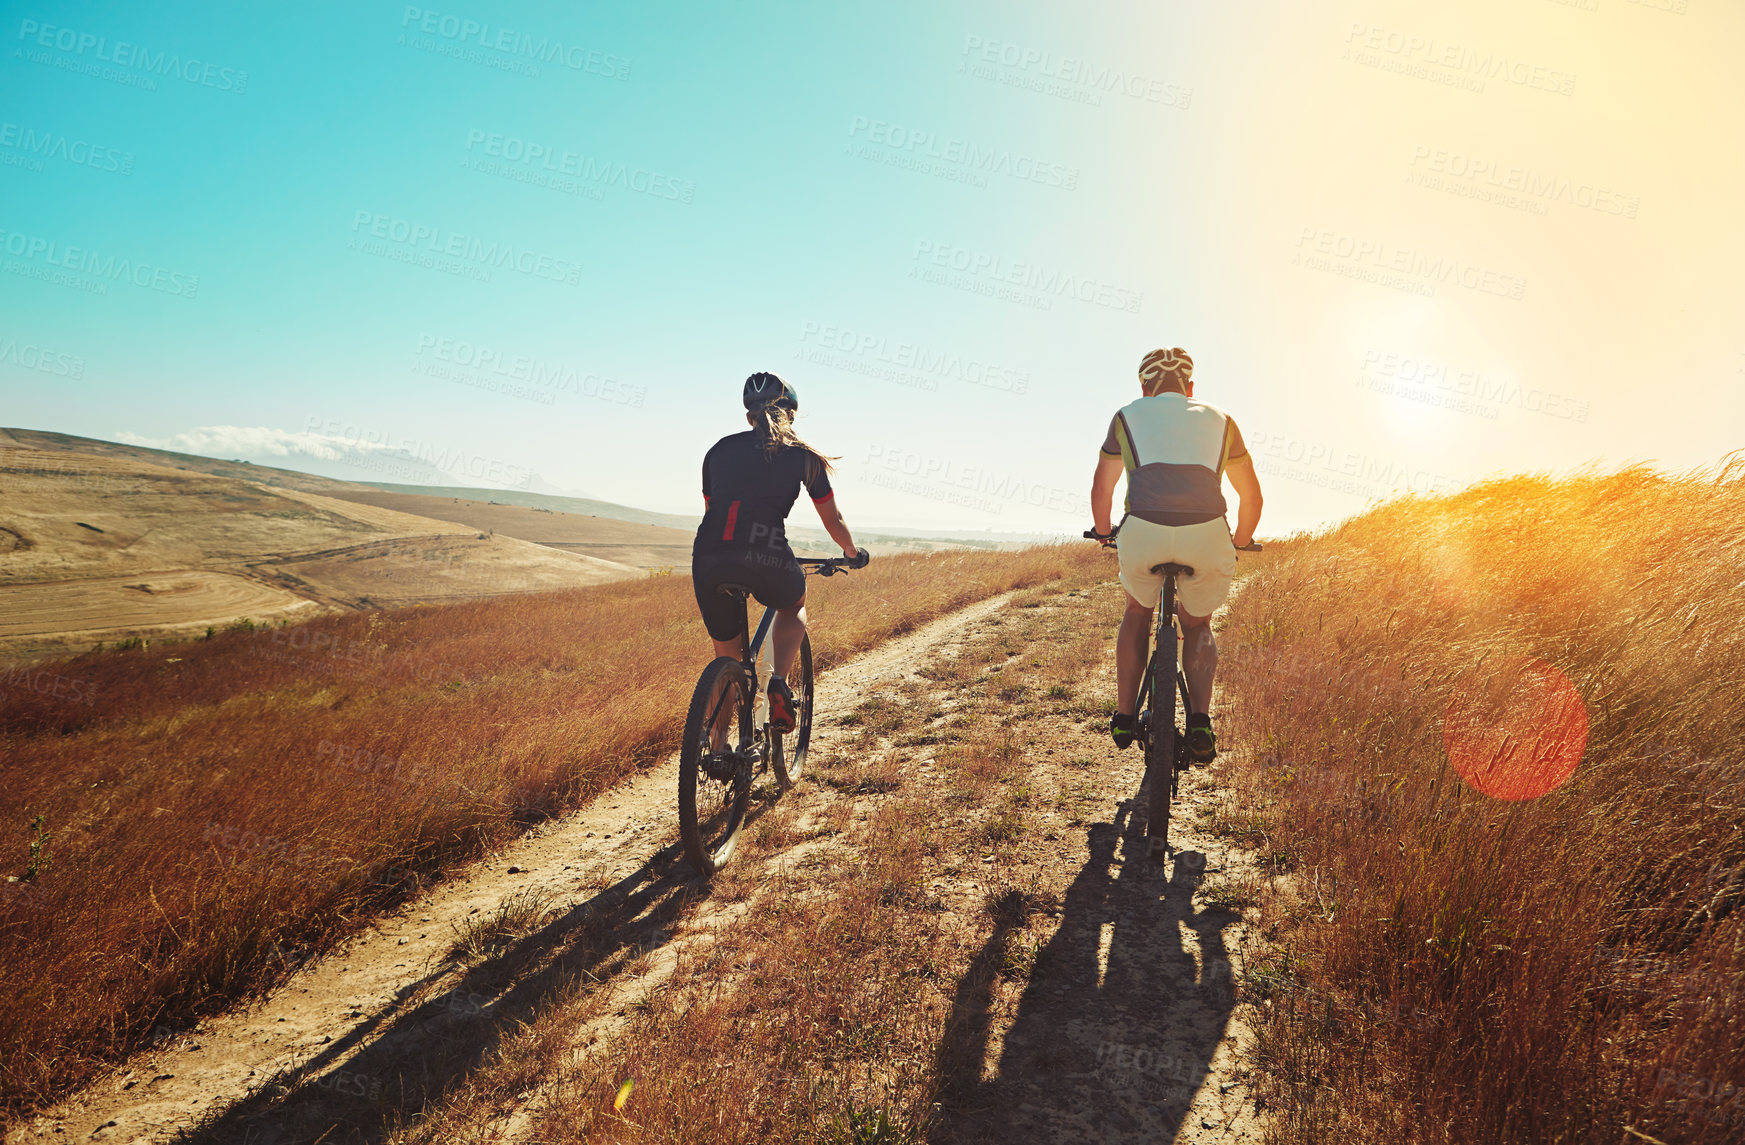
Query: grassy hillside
(607, 538)
(186, 462)
(202, 810)
(583, 506)
(1458, 966)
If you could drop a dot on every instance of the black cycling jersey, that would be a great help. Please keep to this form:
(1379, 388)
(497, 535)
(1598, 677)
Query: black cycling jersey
(749, 493)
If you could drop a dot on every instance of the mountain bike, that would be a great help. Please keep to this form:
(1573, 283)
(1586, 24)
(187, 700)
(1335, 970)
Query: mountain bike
(1166, 751)
(717, 765)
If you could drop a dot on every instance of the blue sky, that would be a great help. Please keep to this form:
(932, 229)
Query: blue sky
(1409, 244)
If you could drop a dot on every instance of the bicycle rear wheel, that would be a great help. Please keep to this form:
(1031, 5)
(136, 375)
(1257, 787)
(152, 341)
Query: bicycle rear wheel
(1160, 745)
(715, 778)
(788, 753)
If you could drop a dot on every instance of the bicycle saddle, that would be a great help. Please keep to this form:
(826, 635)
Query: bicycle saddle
(1173, 569)
(733, 589)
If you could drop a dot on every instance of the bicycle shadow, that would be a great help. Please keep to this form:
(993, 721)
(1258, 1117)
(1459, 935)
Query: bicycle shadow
(1117, 1026)
(411, 1054)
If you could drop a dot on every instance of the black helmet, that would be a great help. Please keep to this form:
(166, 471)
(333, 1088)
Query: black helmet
(765, 389)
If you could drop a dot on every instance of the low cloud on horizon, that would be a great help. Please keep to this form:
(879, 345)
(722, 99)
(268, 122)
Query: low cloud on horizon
(347, 456)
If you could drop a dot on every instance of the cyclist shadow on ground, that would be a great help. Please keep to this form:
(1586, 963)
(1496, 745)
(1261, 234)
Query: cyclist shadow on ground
(417, 1052)
(1117, 1027)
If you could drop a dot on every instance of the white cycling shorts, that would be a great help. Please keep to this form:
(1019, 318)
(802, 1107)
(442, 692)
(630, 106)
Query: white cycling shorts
(1206, 547)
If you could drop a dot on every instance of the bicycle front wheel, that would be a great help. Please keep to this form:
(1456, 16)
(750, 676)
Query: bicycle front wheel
(714, 766)
(788, 752)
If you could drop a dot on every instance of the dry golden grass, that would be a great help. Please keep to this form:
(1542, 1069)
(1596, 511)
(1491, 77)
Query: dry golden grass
(1454, 967)
(216, 807)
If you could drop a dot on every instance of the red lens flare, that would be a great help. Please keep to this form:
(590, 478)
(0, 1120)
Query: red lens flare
(1519, 733)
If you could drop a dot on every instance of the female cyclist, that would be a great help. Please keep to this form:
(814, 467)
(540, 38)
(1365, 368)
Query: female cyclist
(750, 482)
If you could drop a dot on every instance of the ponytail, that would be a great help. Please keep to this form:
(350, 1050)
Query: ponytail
(774, 426)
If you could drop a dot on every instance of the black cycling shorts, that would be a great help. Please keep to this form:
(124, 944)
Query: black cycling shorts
(774, 578)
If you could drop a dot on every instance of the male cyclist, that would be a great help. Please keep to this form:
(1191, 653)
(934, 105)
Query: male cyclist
(1175, 451)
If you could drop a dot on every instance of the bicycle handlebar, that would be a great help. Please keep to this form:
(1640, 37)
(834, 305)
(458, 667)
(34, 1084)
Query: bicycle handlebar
(1105, 538)
(830, 566)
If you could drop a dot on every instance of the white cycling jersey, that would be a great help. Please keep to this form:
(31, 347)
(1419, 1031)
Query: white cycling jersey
(1175, 449)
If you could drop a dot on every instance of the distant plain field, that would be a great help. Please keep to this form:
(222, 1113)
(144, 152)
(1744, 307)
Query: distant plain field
(95, 608)
(624, 542)
(99, 547)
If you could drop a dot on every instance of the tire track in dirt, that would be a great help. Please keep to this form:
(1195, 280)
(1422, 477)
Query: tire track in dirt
(610, 873)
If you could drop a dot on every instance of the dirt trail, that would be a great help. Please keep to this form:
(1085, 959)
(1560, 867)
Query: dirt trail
(1126, 1031)
(601, 856)
(1132, 1035)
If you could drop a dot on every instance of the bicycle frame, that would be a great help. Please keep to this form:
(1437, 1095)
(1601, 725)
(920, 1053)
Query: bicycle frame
(744, 753)
(1159, 728)
(1164, 623)
(751, 645)
(754, 752)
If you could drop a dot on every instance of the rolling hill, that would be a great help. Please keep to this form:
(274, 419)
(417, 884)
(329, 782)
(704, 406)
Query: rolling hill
(105, 546)
(626, 542)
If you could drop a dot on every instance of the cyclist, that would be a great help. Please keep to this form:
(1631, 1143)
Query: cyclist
(1175, 451)
(750, 482)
